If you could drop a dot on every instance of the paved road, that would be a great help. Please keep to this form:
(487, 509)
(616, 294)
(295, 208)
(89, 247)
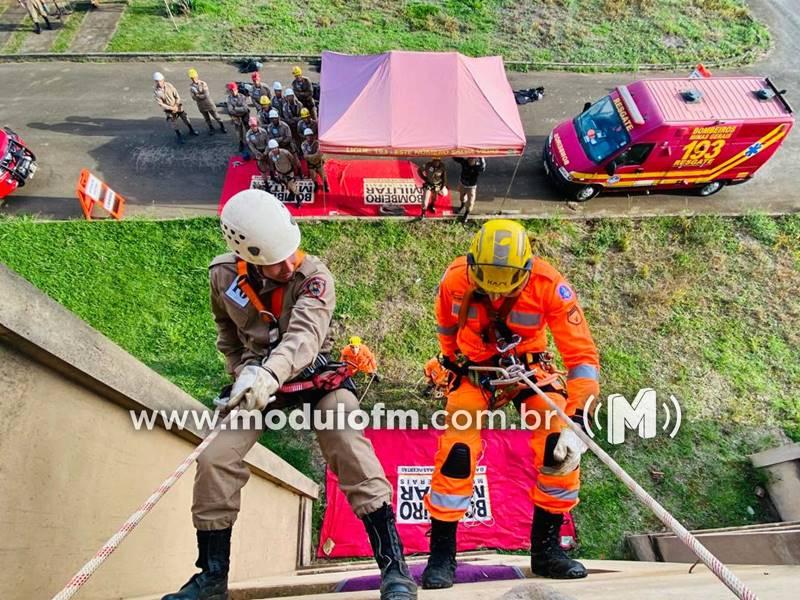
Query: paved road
(102, 117)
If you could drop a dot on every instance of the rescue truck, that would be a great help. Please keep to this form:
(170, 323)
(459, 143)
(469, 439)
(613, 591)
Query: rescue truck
(658, 134)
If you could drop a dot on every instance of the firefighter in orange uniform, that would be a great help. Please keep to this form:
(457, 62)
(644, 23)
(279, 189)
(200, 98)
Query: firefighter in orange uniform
(437, 376)
(359, 358)
(496, 292)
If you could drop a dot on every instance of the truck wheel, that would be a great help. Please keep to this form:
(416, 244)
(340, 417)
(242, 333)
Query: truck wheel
(587, 192)
(711, 188)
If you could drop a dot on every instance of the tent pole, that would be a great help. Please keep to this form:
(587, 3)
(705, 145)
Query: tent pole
(511, 183)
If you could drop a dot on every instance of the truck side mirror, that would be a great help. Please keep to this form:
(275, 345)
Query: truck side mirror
(586, 106)
(611, 167)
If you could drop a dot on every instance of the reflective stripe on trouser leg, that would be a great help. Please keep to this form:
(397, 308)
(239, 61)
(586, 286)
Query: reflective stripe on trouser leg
(219, 478)
(352, 458)
(554, 493)
(451, 484)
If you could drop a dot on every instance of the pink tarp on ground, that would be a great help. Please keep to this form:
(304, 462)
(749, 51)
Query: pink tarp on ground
(417, 104)
(501, 512)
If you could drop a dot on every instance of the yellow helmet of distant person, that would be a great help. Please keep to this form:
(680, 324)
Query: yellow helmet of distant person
(304, 112)
(355, 341)
(500, 257)
(264, 101)
(297, 71)
(192, 73)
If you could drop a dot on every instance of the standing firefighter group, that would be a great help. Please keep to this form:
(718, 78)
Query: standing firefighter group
(273, 126)
(273, 305)
(277, 128)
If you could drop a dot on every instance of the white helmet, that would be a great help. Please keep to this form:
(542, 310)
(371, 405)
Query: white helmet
(272, 144)
(258, 228)
(273, 114)
(308, 131)
(277, 86)
(157, 76)
(289, 92)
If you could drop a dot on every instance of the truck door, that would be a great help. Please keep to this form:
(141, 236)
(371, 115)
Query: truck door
(634, 167)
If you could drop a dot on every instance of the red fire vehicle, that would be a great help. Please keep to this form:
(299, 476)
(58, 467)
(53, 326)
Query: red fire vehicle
(17, 162)
(670, 134)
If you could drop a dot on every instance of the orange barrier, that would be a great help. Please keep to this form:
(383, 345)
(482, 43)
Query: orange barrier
(92, 192)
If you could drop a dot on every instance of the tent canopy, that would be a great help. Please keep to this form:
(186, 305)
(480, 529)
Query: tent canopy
(417, 104)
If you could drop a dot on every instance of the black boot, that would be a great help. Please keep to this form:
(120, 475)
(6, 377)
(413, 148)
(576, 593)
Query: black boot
(210, 130)
(213, 557)
(396, 582)
(179, 136)
(193, 131)
(547, 557)
(222, 127)
(37, 29)
(47, 23)
(441, 567)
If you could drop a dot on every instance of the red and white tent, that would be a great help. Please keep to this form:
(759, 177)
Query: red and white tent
(417, 104)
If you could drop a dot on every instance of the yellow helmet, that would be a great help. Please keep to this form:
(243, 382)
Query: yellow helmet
(500, 257)
(304, 112)
(355, 341)
(264, 101)
(297, 71)
(192, 73)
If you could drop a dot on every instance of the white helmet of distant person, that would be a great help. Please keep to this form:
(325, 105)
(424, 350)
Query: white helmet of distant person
(273, 114)
(289, 92)
(258, 228)
(272, 144)
(308, 131)
(158, 76)
(277, 86)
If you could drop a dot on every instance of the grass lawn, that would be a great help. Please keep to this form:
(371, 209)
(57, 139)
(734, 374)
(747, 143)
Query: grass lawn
(703, 308)
(628, 32)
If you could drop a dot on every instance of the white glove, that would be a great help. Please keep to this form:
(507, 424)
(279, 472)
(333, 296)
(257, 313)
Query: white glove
(254, 389)
(567, 453)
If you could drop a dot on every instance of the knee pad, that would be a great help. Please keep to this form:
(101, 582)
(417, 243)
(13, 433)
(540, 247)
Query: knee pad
(458, 463)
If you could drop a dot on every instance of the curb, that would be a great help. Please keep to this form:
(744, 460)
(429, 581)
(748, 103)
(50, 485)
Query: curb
(315, 59)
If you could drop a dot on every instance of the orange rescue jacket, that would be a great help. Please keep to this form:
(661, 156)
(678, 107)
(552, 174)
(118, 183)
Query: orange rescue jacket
(546, 300)
(359, 358)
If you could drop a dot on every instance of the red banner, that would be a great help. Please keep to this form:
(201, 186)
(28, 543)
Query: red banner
(358, 188)
(500, 515)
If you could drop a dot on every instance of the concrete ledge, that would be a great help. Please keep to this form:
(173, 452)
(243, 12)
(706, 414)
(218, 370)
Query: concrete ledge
(782, 466)
(777, 455)
(767, 543)
(92, 360)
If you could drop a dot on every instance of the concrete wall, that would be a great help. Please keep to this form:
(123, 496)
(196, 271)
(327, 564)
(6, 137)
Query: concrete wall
(782, 465)
(73, 468)
(763, 544)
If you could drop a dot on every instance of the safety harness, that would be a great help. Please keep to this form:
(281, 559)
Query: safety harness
(276, 296)
(321, 374)
(547, 376)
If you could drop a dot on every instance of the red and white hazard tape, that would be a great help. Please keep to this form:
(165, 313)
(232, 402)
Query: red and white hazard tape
(82, 576)
(712, 562)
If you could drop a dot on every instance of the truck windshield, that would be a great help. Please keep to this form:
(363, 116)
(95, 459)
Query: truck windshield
(601, 131)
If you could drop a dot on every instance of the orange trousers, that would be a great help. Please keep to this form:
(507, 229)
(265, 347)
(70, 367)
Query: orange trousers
(460, 449)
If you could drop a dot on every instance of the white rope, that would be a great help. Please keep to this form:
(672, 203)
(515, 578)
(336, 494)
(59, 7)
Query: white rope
(712, 562)
(82, 576)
